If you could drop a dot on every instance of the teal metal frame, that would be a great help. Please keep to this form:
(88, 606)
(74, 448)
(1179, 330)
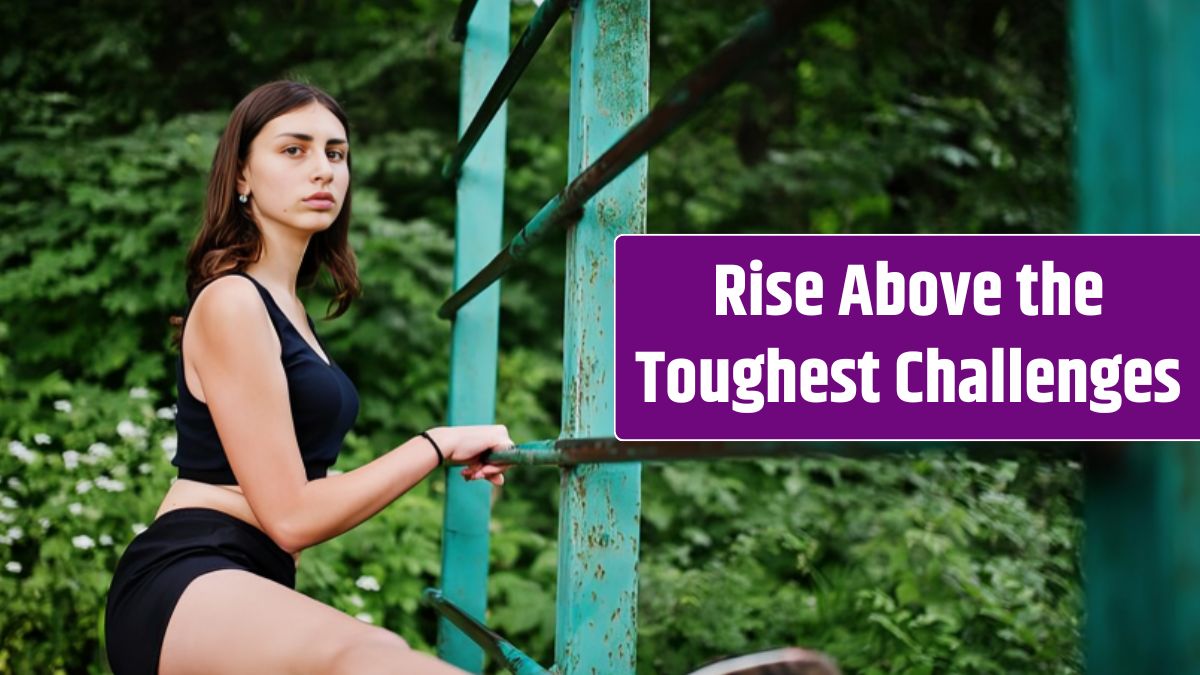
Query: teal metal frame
(1138, 160)
(599, 521)
(478, 229)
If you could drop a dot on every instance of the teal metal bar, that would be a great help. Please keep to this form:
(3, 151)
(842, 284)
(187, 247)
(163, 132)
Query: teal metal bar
(572, 451)
(756, 39)
(501, 650)
(1138, 167)
(474, 341)
(527, 46)
(600, 505)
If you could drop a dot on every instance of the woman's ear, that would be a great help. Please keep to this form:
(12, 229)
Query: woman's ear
(243, 181)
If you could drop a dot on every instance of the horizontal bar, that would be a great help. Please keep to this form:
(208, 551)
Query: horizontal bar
(675, 107)
(497, 647)
(527, 46)
(458, 32)
(570, 451)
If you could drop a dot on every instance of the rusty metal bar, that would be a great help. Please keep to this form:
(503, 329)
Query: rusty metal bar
(599, 505)
(489, 640)
(550, 218)
(527, 46)
(572, 451)
(679, 104)
(458, 32)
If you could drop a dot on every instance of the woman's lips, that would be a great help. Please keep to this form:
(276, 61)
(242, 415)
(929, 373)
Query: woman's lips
(319, 204)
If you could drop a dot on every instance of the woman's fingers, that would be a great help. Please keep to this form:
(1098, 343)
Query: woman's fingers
(488, 471)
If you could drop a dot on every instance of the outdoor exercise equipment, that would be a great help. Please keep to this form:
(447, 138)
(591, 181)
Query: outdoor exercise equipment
(1138, 157)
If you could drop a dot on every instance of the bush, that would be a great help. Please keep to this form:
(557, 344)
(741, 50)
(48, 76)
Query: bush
(84, 470)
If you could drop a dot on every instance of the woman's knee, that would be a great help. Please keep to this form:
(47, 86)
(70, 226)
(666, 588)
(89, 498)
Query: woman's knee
(371, 650)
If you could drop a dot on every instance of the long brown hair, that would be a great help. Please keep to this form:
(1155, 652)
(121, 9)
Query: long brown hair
(229, 239)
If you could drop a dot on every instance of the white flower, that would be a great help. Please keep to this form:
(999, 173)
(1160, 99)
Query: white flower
(15, 483)
(15, 533)
(17, 449)
(6, 517)
(75, 508)
(127, 429)
(138, 528)
(8, 502)
(333, 472)
(143, 468)
(169, 445)
(13, 566)
(110, 484)
(105, 540)
(100, 450)
(363, 616)
(367, 583)
(41, 439)
(356, 600)
(83, 542)
(139, 392)
(165, 413)
(44, 523)
(62, 405)
(71, 459)
(5, 540)
(83, 486)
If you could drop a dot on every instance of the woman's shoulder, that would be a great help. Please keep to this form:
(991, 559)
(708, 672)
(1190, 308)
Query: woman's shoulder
(232, 303)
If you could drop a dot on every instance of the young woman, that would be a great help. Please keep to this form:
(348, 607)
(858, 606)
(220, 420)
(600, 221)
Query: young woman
(209, 586)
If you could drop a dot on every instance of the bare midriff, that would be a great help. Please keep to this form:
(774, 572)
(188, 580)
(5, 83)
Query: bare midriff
(228, 499)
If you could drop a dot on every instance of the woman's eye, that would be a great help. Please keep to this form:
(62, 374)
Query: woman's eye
(289, 150)
(336, 154)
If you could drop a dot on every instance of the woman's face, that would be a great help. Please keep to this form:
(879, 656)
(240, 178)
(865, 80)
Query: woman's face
(296, 172)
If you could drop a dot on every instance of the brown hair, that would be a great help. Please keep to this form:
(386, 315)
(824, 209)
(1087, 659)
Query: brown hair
(229, 239)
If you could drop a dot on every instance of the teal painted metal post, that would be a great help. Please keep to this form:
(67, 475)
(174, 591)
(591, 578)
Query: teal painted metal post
(477, 235)
(1139, 171)
(600, 505)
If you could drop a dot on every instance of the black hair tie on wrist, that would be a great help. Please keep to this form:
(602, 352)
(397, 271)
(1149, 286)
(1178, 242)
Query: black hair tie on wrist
(441, 457)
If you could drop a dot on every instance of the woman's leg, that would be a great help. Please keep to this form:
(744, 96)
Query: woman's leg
(232, 621)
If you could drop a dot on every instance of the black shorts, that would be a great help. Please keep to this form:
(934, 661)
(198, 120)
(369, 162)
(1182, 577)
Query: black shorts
(160, 563)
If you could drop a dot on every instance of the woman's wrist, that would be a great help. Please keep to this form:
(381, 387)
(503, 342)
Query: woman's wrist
(437, 448)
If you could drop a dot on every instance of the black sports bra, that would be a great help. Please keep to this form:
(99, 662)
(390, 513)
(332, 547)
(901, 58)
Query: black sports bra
(324, 406)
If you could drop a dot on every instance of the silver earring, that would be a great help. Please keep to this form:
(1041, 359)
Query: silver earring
(243, 198)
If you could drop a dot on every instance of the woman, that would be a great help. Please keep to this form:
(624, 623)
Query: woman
(209, 586)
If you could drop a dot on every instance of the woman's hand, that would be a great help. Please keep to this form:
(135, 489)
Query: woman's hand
(465, 444)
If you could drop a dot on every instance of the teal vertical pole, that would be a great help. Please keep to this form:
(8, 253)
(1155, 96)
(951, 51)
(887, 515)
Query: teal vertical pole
(1138, 161)
(600, 505)
(477, 235)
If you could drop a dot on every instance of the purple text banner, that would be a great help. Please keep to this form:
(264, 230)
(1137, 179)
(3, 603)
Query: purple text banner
(907, 337)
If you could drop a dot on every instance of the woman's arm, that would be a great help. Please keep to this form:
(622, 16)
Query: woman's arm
(331, 506)
(328, 507)
(236, 354)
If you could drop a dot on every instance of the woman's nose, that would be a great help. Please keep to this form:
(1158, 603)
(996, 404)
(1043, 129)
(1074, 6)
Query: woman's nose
(323, 170)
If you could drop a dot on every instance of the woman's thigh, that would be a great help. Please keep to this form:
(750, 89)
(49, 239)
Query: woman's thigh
(232, 621)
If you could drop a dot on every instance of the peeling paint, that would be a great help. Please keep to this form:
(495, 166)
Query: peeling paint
(598, 566)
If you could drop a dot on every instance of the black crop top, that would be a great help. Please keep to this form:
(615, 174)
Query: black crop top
(323, 399)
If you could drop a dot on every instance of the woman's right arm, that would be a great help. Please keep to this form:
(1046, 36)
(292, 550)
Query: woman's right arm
(236, 354)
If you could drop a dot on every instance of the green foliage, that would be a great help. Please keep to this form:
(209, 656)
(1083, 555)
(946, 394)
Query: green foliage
(82, 470)
(892, 116)
(906, 565)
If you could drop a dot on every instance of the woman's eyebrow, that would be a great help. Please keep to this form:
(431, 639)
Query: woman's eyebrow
(306, 137)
